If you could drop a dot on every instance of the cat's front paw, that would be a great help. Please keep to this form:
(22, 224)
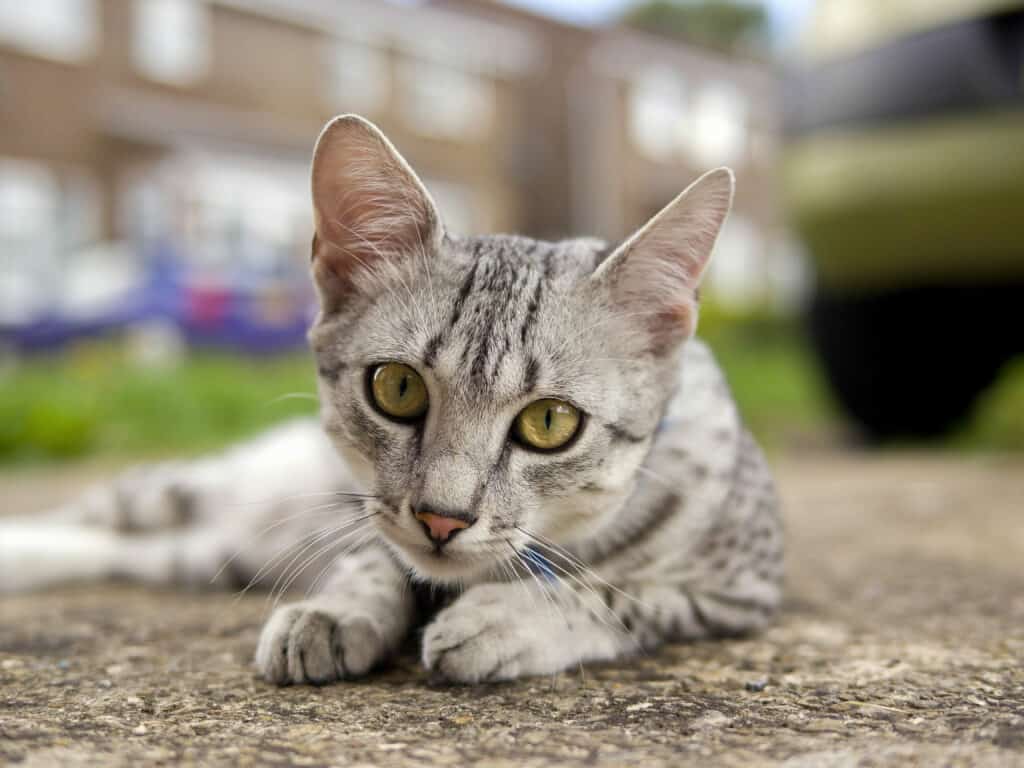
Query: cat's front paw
(479, 639)
(308, 643)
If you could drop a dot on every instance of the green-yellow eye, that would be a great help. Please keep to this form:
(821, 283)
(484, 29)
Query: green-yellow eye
(547, 424)
(399, 391)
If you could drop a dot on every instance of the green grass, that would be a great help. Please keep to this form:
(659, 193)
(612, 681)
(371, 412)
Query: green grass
(777, 386)
(785, 399)
(772, 374)
(997, 421)
(95, 402)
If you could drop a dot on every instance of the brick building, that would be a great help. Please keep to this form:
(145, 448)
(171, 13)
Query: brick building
(138, 121)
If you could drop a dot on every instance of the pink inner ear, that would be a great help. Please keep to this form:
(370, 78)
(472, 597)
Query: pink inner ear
(325, 258)
(656, 273)
(368, 211)
(369, 206)
(671, 325)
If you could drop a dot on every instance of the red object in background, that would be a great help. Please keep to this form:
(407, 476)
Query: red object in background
(206, 306)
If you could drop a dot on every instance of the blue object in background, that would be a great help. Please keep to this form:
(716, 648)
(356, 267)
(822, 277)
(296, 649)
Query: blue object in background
(244, 311)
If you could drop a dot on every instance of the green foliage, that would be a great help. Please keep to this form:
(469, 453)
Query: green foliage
(785, 399)
(771, 371)
(998, 417)
(730, 26)
(95, 401)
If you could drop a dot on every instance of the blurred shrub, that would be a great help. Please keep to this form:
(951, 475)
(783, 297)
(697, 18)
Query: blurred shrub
(998, 418)
(771, 372)
(722, 24)
(785, 399)
(94, 400)
(720, 323)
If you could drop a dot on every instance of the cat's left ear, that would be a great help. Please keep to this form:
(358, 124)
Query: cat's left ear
(654, 275)
(370, 209)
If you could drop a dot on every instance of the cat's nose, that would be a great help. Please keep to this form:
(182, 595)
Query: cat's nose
(441, 525)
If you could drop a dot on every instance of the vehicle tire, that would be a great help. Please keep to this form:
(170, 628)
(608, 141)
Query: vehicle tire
(910, 363)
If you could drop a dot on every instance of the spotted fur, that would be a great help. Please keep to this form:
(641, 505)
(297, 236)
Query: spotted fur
(658, 522)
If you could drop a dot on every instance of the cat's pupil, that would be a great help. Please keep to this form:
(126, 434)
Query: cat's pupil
(403, 386)
(547, 419)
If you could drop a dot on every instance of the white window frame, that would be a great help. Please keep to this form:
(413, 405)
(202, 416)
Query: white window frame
(721, 125)
(160, 25)
(358, 75)
(658, 113)
(440, 100)
(62, 30)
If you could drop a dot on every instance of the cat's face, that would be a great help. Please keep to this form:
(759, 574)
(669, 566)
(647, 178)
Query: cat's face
(490, 389)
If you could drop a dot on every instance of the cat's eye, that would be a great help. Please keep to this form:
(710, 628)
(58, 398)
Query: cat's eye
(546, 425)
(398, 391)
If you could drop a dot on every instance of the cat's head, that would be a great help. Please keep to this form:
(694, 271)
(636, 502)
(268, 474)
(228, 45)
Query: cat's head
(489, 388)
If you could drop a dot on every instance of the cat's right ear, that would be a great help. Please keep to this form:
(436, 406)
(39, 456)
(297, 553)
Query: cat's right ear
(654, 275)
(370, 209)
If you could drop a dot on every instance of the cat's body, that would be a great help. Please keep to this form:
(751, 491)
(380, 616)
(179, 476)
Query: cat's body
(653, 517)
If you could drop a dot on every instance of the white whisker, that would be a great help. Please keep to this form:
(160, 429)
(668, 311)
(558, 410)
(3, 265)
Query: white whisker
(295, 572)
(323, 509)
(284, 552)
(575, 561)
(291, 396)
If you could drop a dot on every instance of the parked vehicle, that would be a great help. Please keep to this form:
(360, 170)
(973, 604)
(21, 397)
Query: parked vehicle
(905, 179)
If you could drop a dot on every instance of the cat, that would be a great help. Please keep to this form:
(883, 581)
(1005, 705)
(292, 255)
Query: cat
(527, 429)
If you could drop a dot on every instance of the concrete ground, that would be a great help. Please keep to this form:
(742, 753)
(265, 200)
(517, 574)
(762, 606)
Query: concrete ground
(902, 643)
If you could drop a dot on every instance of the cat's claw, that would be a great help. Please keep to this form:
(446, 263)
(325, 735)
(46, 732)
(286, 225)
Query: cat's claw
(306, 643)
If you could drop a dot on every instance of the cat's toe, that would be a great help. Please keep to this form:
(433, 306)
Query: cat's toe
(272, 650)
(303, 644)
(312, 649)
(467, 649)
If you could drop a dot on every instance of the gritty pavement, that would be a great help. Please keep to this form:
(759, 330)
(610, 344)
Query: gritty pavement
(902, 643)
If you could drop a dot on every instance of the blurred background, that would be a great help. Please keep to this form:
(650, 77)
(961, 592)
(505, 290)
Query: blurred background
(155, 220)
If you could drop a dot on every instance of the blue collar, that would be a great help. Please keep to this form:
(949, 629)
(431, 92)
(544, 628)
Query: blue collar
(538, 563)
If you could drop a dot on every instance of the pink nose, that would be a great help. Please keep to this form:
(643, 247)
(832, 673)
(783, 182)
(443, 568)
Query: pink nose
(440, 527)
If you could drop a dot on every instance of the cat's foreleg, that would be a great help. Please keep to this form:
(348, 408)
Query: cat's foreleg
(360, 618)
(509, 630)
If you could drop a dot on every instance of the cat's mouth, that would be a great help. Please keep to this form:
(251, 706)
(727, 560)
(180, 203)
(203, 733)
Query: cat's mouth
(432, 560)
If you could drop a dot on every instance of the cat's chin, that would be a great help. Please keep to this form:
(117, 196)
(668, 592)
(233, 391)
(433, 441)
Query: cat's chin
(447, 568)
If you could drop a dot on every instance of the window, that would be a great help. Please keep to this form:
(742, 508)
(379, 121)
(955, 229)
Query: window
(789, 281)
(455, 204)
(442, 101)
(29, 197)
(46, 224)
(719, 125)
(736, 275)
(29, 201)
(80, 211)
(357, 76)
(245, 214)
(65, 30)
(171, 40)
(657, 113)
(143, 209)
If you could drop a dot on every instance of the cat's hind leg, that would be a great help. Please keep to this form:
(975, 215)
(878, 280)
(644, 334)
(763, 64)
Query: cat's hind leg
(39, 555)
(133, 527)
(178, 522)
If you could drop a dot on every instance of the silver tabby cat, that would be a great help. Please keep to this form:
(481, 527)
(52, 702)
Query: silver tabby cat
(527, 428)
